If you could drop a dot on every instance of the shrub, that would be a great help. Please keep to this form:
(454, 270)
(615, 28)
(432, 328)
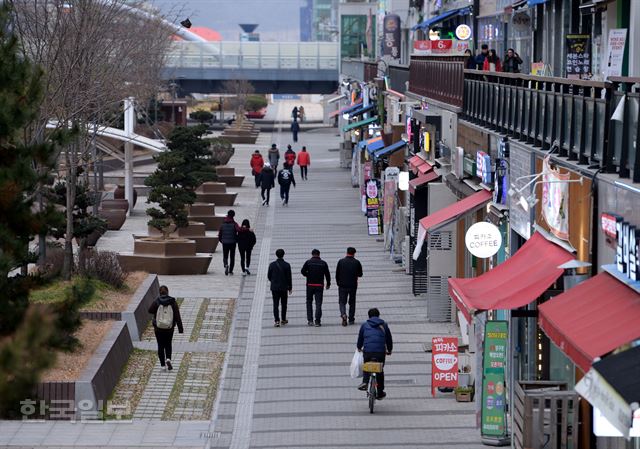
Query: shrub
(221, 150)
(201, 116)
(104, 266)
(256, 102)
(53, 261)
(67, 314)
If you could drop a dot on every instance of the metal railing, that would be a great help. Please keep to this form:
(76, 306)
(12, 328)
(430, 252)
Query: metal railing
(440, 79)
(254, 55)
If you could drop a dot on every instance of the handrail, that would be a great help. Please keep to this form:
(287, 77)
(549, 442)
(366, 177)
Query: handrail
(543, 79)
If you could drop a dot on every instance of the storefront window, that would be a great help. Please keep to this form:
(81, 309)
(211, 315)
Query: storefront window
(490, 31)
(353, 36)
(520, 38)
(561, 369)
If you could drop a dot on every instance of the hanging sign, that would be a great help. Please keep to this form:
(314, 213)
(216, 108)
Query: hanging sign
(555, 200)
(444, 363)
(463, 32)
(578, 56)
(615, 51)
(483, 239)
(493, 420)
(625, 238)
(449, 47)
(374, 211)
(392, 38)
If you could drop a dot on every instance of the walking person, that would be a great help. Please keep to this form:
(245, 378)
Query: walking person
(279, 275)
(294, 113)
(316, 271)
(375, 342)
(228, 236)
(304, 160)
(301, 113)
(267, 182)
(256, 163)
(285, 179)
(274, 156)
(166, 316)
(492, 62)
(348, 271)
(295, 128)
(512, 61)
(290, 156)
(246, 242)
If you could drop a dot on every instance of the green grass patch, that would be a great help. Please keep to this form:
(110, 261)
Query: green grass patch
(58, 291)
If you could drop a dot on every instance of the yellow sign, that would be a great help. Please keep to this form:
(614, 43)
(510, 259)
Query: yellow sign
(427, 142)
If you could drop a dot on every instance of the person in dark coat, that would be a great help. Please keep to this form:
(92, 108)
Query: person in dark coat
(285, 179)
(267, 182)
(290, 156)
(164, 334)
(246, 242)
(481, 57)
(469, 60)
(316, 271)
(376, 342)
(348, 271)
(294, 113)
(295, 128)
(279, 275)
(228, 236)
(511, 62)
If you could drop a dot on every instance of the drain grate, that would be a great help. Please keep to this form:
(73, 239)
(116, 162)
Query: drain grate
(400, 381)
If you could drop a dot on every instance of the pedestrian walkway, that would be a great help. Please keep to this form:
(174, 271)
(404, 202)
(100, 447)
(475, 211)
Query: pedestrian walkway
(285, 387)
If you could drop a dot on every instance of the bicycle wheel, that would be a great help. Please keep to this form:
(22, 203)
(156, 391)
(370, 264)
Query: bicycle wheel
(373, 392)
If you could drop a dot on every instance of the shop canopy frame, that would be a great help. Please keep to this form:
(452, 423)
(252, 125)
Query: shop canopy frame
(346, 109)
(422, 180)
(370, 108)
(444, 16)
(372, 144)
(514, 283)
(419, 165)
(448, 215)
(359, 124)
(389, 150)
(584, 326)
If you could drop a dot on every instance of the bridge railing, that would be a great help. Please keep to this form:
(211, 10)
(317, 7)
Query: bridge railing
(254, 55)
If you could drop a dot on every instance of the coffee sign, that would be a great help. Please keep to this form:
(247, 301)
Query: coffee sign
(444, 363)
(483, 239)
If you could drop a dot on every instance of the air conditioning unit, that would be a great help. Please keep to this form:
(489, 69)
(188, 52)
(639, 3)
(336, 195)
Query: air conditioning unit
(457, 159)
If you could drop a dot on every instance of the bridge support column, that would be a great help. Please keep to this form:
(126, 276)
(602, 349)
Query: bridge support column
(129, 126)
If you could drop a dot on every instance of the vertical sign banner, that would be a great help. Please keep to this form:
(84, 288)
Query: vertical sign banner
(444, 363)
(615, 51)
(493, 419)
(374, 211)
(555, 200)
(578, 56)
(367, 173)
(391, 36)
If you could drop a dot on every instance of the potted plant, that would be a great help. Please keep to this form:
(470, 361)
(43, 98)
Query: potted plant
(464, 394)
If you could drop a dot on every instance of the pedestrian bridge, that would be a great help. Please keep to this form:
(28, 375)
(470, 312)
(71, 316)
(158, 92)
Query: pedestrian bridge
(272, 67)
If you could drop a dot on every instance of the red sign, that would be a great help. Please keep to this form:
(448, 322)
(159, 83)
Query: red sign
(608, 222)
(444, 363)
(449, 47)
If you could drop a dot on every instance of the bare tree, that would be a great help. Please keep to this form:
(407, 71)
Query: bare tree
(241, 88)
(94, 53)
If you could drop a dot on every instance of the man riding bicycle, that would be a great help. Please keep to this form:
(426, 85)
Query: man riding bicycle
(375, 340)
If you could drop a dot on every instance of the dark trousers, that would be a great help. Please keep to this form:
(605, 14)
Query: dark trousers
(245, 258)
(303, 171)
(314, 293)
(347, 295)
(229, 255)
(279, 298)
(378, 357)
(268, 191)
(284, 193)
(257, 176)
(164, 337)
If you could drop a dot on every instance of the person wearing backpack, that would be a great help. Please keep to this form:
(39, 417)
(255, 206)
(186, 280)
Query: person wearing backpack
(246, 242)
(166, 316)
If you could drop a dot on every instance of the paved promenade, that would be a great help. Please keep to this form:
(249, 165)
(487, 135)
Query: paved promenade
(289, 387)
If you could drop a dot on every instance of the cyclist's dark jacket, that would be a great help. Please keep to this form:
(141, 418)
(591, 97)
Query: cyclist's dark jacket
(316, 271)
(374, 334)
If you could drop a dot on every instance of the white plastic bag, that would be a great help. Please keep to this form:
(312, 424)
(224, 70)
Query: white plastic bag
(356, 365)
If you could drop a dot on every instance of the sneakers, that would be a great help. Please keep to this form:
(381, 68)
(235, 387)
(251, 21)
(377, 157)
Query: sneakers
(283, 201)
(264, 202)
(230, 273)
(363, 386)
(226, 271)
(309, 323)
(169, 365)
(381, 396)
(318, 324)
(352, 321)
(344, 320)
(283, 322)
(276, 324)
(248, 272)
(244, 273)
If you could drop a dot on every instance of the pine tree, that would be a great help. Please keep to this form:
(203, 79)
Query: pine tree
(181, 170)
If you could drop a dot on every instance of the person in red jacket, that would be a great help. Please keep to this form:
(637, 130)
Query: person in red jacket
(492, 62)
(290, 156)
(304, 160)
(256, 166)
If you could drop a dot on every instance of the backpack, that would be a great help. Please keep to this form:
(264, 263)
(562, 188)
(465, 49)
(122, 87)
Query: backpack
(164, 317)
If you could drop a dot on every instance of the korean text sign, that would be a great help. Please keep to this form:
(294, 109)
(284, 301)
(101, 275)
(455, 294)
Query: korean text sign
(444, 363)
(493, 379)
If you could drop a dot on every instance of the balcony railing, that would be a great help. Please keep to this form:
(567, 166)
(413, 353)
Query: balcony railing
(440, 79)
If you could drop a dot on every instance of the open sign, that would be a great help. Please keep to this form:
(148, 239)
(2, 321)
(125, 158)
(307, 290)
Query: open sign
(444, 363)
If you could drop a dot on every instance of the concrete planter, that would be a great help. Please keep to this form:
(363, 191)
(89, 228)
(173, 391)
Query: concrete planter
(206, 213)
(170, 256)
(229, 177)
(216, 193)
(195, 231)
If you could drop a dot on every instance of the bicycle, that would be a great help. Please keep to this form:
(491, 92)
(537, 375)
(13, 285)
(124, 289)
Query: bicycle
(374, 368)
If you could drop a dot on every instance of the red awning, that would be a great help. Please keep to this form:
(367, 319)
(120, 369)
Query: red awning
(448, 214)
(422, 180)
(425, 168)
(592, 319)
(417, 164)
(514, 283)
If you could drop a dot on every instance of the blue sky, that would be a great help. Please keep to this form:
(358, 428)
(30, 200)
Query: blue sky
(279, 20)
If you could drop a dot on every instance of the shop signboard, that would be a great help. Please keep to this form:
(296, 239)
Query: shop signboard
(367, 174)
(392, 39)
(374, 210)
(615, 49)
(483, 167)
(578, 56)
(493, 415)
(626, 240)
(483, 239)
(391, 176)
(448, 47)
(501, 184)
(444, 363)
(555, 200)
(463, 32)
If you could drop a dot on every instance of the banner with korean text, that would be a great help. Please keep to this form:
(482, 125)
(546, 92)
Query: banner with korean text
(444, 363)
